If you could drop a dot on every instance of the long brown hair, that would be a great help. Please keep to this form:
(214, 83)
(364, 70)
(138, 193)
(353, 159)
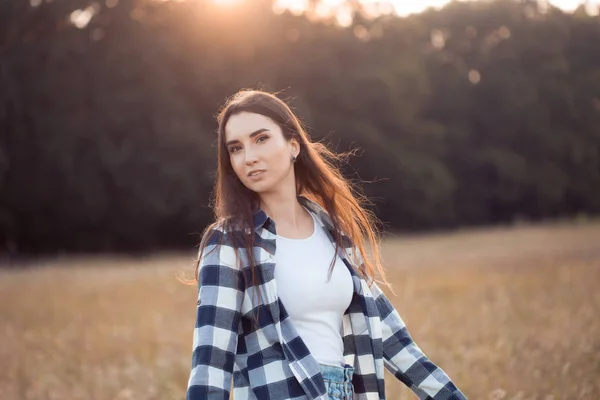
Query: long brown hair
(318, 178)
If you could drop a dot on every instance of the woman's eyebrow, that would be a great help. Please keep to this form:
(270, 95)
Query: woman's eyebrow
(251, 136)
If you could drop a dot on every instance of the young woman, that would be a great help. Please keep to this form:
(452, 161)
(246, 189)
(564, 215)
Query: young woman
(287, 302)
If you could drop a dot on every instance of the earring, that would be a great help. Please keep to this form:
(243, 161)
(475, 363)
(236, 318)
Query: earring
(293, 159)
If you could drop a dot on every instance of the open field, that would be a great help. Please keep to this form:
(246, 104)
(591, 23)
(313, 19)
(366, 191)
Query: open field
(508, 313)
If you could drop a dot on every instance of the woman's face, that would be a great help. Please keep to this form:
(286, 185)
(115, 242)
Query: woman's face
(259, 154)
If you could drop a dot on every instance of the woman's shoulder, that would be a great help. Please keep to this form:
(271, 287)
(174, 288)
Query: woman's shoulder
(225, 225)
(225, 231)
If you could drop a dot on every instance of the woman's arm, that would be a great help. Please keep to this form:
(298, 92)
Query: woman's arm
(220, 294)
(406, 361)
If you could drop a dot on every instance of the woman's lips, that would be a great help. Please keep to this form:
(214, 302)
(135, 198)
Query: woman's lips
(257, 175)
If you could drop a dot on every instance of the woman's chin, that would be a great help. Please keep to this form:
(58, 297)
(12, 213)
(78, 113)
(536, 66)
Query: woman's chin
(260, 187)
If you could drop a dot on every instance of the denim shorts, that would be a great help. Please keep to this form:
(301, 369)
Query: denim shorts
(338, 381)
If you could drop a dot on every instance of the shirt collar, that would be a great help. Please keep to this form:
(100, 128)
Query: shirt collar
(261, 219)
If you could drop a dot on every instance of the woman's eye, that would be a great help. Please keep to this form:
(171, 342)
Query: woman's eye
(262, 137)
(234, 149)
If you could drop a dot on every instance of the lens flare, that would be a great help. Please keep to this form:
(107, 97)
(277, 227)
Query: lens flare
(226, 2)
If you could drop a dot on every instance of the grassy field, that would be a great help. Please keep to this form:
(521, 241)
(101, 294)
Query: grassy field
(510, 313)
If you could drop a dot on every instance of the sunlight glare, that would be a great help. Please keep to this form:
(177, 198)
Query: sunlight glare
(225, 2)
(567, 5)
(344, 17)
(296, 7)
(80, 18)
(328, 8)
(333, 3)
(322, 11)
(404, 8)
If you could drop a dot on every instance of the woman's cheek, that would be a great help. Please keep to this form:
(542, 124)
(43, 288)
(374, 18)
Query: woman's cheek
(237, 167)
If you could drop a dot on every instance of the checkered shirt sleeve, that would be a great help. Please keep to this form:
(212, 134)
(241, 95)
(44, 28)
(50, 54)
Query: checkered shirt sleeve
(406, 361)
(220, 294)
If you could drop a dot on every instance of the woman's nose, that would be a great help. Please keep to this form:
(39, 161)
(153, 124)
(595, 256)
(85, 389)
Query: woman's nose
(250, 158)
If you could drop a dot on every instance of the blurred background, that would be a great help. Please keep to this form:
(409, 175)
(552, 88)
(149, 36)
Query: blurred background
(478, 124)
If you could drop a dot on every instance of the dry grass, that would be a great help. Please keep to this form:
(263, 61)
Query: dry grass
(507, 313)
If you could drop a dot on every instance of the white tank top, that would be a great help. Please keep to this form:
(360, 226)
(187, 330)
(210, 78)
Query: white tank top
(315, 305)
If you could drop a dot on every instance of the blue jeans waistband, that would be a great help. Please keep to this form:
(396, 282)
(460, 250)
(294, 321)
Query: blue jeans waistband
(337, 374)
(338, 381)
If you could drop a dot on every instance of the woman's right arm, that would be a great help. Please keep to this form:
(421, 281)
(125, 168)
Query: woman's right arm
(220, 294)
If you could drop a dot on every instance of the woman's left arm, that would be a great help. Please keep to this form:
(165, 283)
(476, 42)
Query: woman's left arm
(406, 360)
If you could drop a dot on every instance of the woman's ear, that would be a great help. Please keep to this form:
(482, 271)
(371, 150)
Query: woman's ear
(295, 146)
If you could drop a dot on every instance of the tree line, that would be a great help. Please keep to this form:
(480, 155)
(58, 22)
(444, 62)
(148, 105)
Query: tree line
(478, 113)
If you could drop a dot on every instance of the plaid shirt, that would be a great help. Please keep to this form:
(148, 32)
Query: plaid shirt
(271, 361)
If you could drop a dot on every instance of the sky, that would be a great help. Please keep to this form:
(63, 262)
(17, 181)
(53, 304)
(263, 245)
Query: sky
(329, 8)
(404, 7)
